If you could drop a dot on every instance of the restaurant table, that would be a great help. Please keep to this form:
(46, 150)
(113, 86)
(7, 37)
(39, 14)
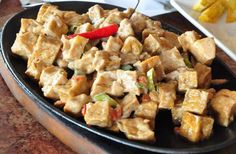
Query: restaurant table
(21, 133)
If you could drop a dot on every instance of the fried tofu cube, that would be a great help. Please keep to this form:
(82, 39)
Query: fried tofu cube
(24, 44)
(71, 18)
(172, 38)
(195, 128)
(204, 75)
(46, 49)
(47, 10)
(98, 114)
(167, 95)
(223, 105)
(113, 18)
(147, 31)
(54, 26)
(86, 27)
(138, 22)
(132, 45)
(53, 75)
(49, 78)
(106, 60)
(129, 81)
(204, 50)
(95, 13)
(153, 24)
(125, 30)
(187, 39)
(73, 105)
(34, 68)
(177, 113)
(75, 86)
(195, 100)
(154, 44)
(152, 62)
(113, 44)
(73, 48)
(125, 81)
(30, 25)
(128, 58)
(85, 64)
(172, 60)
(136, 129)
(147, 110)
(187, 79)
(129, 104)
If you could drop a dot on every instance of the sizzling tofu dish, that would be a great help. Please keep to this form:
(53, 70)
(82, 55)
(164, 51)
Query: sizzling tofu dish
(126, 70)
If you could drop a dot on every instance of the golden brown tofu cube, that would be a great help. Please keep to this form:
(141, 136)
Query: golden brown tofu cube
(125, 30)
(167, 95)
(128, 58)
(72, 18)
(95, 13)
(172, 38)
(24, 44)
(223, 105)
(30, 25)
(46, 49)
(53, 75)
(132, 45)
(47, 10)
(73, 105)
(113, 18)
(34, 68)
(177, 113)
(129, 104)
(113, 44)
(187, 79)
(136, 129)
(204, 50)
(154, 44)
(73, 48)
(195, 100)
(195, 128)
(147, 110)
(86, 27)
(187, 39)
(204, 75)
(138, 22)
(106, 60)
(157, 31)
(172, 60)
(54, 26)
(98, 114)
(153, 24)
(152, 62)
(85, 64)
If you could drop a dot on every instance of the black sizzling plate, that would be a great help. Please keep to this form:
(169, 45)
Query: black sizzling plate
(167, 140)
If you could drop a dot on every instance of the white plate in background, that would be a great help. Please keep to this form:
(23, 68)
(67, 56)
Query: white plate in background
(223, 33)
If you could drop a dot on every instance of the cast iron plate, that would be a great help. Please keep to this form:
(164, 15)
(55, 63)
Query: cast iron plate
(167, 140)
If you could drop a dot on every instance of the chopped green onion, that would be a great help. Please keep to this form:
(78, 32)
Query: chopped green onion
(150, 77)
(187, 61)
(126, 67)
(105, 97)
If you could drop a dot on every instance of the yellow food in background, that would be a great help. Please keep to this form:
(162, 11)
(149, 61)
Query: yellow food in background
(213, 13)
(231, 11)
(203, 4)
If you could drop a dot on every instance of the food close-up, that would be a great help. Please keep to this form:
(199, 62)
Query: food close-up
(119, 69)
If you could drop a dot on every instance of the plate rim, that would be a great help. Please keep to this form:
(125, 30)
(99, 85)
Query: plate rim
(224, 48)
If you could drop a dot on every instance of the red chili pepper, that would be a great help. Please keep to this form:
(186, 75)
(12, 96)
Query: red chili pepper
(116, 113)
(83, 109)
(145, 98)
(98, 33)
